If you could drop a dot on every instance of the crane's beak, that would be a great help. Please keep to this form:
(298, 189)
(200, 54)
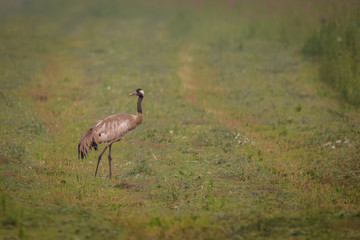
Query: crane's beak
(132, 94)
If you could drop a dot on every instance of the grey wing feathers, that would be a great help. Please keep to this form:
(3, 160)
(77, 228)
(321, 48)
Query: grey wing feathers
(108, 129)
(86, 142)
(112, 128)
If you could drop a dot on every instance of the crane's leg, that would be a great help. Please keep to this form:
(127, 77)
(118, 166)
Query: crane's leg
(100, 159)
(110, 159)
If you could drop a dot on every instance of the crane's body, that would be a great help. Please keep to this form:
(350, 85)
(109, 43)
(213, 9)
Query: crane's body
(109, 130)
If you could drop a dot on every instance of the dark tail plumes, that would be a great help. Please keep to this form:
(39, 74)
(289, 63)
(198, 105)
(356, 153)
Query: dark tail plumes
(86, 142)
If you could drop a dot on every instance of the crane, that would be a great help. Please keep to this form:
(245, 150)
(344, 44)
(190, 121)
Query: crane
(110, 130)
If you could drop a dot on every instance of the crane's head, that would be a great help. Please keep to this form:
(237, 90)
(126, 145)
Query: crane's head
(138, 92)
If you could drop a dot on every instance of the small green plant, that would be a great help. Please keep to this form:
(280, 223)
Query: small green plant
(141, 167)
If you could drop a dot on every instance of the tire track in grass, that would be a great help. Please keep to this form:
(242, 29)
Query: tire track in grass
(199, 86)
(43, 94)
(56, 96)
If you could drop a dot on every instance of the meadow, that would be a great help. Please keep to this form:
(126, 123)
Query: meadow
(242, 138)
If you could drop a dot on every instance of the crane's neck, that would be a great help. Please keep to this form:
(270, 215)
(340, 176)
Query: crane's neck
(139, 110)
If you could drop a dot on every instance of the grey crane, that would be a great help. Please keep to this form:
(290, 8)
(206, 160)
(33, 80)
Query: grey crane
(110, 130)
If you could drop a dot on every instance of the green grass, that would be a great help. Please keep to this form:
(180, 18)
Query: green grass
(239, 139)
(336, 49)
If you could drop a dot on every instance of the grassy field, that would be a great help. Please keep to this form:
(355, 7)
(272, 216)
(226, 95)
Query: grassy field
(239, 139)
